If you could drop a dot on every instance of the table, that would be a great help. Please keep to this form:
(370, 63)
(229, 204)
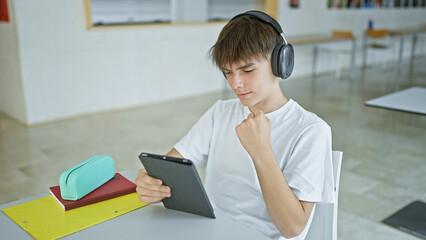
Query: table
(408, 100)
(318, 39)
(401, 33)
(150, 222)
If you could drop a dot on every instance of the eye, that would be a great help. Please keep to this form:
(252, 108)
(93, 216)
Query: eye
(248, 70)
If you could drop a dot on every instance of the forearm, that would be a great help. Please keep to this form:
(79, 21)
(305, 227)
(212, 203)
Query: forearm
(286, 211)
(174, 153)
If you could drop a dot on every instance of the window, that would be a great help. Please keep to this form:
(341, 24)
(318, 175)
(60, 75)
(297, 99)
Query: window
(113, 12)
(127, 12)
(226, 9)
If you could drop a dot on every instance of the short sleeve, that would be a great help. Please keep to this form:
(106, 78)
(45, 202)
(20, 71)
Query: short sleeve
(309, 172)
(195, 145)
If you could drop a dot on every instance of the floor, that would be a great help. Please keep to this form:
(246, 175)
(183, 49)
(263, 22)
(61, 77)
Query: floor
(384, 161)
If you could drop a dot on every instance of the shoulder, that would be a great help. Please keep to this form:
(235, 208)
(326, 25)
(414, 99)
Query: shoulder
(312, 125)
(304, 120)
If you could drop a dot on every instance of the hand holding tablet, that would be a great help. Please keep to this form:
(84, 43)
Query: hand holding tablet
(150, 189)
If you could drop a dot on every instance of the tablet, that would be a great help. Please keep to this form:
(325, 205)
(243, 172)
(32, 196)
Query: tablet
(188, 194)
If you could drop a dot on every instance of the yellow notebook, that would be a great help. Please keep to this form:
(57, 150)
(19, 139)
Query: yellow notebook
(43, 218)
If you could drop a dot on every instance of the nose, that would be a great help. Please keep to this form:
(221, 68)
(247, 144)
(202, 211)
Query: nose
(235, 81)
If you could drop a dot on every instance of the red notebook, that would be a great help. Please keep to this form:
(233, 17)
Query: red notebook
(115, 187)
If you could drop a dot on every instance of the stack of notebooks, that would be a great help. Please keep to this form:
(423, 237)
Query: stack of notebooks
(115, 187)
(43, 218)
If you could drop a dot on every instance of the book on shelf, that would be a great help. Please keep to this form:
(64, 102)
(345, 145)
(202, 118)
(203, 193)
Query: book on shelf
(115, 187)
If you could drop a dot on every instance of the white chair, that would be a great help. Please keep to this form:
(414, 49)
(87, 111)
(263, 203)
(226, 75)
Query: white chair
(324, 221)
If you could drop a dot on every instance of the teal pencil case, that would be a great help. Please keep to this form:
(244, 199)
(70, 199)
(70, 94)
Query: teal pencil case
(85, 177)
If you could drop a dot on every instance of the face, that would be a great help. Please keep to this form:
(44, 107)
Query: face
(254, 84)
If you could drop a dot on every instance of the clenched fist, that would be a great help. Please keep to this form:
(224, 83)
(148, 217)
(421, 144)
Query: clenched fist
(254, 134)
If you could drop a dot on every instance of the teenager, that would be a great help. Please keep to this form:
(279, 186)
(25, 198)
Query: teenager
(267, 160)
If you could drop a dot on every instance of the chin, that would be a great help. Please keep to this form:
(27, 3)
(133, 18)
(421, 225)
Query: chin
(247, 103)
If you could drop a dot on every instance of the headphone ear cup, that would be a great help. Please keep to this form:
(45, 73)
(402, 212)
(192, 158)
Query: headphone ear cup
(275, 60)
(286, 58)
(282, 60)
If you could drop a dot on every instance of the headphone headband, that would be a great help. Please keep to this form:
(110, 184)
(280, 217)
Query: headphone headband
(282, 57)
(264, 18)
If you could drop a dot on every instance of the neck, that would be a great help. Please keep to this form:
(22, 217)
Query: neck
(272, 104)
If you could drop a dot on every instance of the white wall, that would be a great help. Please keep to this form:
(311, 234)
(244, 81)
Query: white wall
(11, 88)
(67, 70)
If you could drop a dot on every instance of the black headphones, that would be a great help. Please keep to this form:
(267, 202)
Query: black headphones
(282, 58)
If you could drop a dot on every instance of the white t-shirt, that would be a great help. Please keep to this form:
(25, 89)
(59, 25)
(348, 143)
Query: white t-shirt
(300, 140)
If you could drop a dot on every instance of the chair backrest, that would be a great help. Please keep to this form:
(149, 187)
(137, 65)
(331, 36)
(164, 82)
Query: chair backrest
(343, 33)
(377, 33)
(324, 221)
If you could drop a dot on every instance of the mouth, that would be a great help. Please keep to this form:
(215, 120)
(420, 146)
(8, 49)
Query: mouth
(243, 95)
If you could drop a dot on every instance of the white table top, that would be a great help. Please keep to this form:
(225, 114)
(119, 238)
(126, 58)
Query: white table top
(149, 222)
(408, 100)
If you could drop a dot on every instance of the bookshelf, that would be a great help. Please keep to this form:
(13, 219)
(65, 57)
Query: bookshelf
(375, 4)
